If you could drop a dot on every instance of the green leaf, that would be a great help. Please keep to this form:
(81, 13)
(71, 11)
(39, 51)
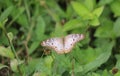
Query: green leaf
(6, 52)
(105, 73)
(38, 34)
(33, 46)
(39, 74)
(104, 2)
(69, 12)
(48, 62)
(94, 22)
(95, 74)
(116, 27)
(17, 15)
(90, 4)
(80, 9)
(77, 23)
(58, 31)
(10, 36)
(64, 63)
(2, 66)
(117, 74)
(34, 65)
(115, 7)
(6, 13)
(118, 61)
(102, 58)
(14, 65)
(98, 11)
(20, 17)
(40, 28)
(105, 30)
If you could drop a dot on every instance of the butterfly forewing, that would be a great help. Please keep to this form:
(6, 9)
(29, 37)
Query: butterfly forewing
(54, 43)
(70, 40)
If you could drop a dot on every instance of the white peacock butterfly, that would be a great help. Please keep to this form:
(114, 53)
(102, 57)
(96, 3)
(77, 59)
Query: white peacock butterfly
(63, 45)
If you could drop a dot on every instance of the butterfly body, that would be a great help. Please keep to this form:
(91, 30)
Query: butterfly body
(63, 45)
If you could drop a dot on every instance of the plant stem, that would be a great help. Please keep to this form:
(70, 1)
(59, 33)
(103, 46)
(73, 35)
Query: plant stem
(12, 48)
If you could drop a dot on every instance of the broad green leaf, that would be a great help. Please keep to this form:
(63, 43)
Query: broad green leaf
(33, 46)
(118, 61)
(64, 63)
(102, 58)
(104, 2)
(40, 28)
(95, 74)
(38, 34)
(10, 36)
(45, 65)
(98, 11)
(90, 4)
(1, 25)
(19, 15)
(6, 13)
(88, 55)
(69, 12)
(33, 65)
(99, 42)
(48, 62)
(115, 7)
(58, 31)
(57, 12)
(39, 74)
(14, 65)
(105, 73)
(94, 22)
(3, 66)
(117, 74)
(105, 30)
(77, 23)
(13, 30)
(6, 52)
(116, 27)
(80, 9)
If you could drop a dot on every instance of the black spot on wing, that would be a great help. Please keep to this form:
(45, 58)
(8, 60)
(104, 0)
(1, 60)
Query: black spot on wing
(73, 39)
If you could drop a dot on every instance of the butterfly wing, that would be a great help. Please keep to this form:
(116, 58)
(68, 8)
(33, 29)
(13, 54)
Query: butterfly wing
(55, 44)
(71, 40)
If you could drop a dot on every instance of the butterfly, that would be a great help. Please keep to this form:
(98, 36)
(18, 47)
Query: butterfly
(63, 45)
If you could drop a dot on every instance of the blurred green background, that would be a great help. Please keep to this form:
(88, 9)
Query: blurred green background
(24, 24)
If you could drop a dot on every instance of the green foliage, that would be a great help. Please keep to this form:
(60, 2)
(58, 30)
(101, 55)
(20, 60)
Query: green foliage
(6, 52)
(24, 24)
